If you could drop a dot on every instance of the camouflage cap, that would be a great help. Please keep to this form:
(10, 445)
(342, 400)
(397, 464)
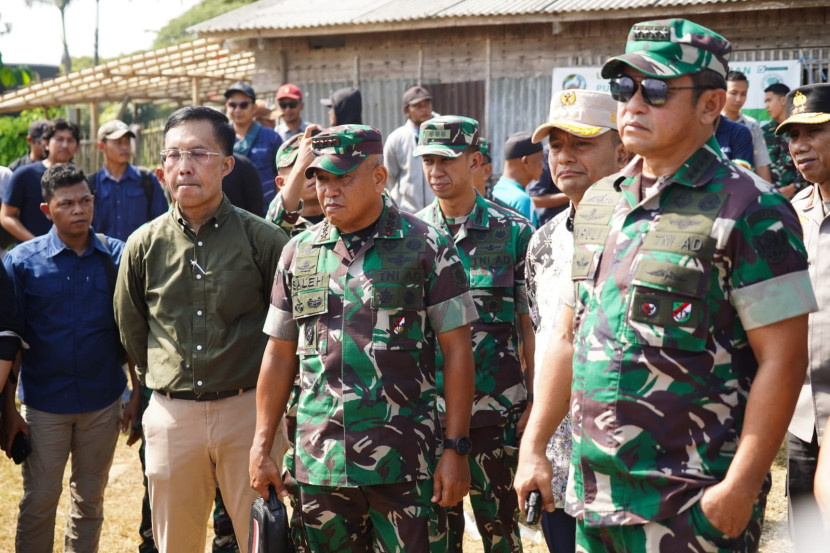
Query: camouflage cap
(808, 105)
(287, 154)
(580, 112)
(484, 148)
(341, 149)
(671, 48)
(447, 136)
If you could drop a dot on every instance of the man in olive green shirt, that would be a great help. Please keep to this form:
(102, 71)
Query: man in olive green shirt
(191, 297)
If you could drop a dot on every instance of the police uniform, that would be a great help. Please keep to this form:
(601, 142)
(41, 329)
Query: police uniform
(666, 287)
(365, 310)
(810, 106)
(492, 243)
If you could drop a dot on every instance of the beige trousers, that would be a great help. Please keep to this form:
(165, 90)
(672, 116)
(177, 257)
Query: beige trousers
(190, 447)
(89, 438)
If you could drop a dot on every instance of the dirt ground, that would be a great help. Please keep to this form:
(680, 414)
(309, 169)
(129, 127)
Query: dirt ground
(123, 508)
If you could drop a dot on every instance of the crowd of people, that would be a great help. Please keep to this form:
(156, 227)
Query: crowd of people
(627, 322)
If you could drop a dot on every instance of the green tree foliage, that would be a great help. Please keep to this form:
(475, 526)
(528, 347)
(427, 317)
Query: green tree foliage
(175, 31)
(13, 76)
(13, 129)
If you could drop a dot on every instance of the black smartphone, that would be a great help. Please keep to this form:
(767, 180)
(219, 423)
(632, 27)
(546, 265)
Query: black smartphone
(21, 448)
(533, 506)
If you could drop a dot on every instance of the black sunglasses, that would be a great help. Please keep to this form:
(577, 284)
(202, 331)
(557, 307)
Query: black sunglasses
(289, 105)
(240, 105)
(655, 91)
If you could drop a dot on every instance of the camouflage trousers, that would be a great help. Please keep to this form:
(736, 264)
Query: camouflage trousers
(386, 518)
(224, 540)
(493, 461)
(295, 530)
(689, 531)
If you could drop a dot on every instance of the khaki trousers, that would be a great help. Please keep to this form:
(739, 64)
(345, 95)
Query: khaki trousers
(90, 440)
(190, 447)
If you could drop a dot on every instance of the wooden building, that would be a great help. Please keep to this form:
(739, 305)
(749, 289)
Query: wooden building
(488, 59)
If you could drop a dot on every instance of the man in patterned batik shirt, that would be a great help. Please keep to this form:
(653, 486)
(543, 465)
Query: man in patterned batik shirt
(492, 243)
(359, 305)
(688, 314)
(584, 147)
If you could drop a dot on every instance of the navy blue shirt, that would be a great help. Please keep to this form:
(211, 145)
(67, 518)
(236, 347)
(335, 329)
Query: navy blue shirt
(65, 302)
(542, 187)
(736, 141)
(263, 155)
(11, 328)
(121, 206)
(24, 193)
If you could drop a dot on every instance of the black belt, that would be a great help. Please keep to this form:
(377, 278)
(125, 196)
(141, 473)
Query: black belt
(206, 396)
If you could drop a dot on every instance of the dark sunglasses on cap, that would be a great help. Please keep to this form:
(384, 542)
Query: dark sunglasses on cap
(240, 105)
(289, 105)
(655, 91)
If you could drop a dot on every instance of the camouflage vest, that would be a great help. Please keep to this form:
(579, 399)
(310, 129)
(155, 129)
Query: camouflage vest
(397, 287)
(672, 268)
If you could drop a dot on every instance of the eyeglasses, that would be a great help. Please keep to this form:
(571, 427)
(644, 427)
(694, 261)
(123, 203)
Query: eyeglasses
(174, 157)
(289, 105)
(655, 91)
(240, 105)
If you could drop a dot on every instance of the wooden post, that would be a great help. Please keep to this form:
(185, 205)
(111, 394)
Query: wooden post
(95, 160)
(93, 120)
(356, 74)
(283, 67)
(420, 66)
(196, 93)
(487, 76)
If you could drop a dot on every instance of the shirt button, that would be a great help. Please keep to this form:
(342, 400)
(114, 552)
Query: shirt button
(198, 277)
(199, 243)
(199, 383)
(215, 225)
(199, 348)
(199, 312)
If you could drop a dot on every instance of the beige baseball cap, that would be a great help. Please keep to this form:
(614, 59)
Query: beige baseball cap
(585, 113)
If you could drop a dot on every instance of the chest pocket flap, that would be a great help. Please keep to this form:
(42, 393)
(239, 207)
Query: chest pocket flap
(667, 306)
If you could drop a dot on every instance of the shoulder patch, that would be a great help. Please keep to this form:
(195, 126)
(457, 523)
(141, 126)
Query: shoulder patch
(763, 214)
(772, 245)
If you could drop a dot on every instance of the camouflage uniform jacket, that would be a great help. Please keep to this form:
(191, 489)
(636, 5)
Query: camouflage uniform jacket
(548, 264)
(366, 327)
(781, 165)
(279, 216)
(666, 290)
(492, 244)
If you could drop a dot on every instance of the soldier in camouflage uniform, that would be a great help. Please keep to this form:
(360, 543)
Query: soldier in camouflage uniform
(784, 174)
(358, 304)
(689, 315)
(584, 147)
(300, 192)
(492, 243)
(295, 207)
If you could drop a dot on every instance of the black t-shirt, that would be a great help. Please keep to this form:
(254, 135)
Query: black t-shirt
(243, 187)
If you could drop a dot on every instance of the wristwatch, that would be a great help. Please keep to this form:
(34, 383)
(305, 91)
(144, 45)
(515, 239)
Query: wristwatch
(462, 445)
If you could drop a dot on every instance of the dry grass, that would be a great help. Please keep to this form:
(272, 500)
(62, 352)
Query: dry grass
(123, 509)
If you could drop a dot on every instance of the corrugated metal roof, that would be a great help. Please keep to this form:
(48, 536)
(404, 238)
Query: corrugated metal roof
(275, 15)
(285, 14)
